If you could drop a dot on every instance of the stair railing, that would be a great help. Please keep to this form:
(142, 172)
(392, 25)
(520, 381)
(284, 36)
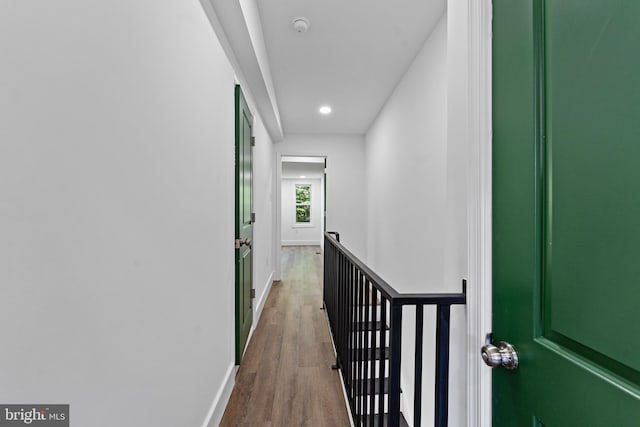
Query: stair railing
(365, 318)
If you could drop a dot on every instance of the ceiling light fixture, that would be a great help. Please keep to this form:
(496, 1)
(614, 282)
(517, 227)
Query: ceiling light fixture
(300, 24)
(325, 109)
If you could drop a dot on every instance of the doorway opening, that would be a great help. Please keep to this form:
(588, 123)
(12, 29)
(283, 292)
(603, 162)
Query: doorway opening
(301, 202)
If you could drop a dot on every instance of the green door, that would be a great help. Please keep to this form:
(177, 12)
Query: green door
(244, 223)
(566, 201)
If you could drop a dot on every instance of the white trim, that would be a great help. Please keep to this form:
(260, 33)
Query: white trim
(242, 40)
(312, 182)
(304, 159)
(216, 411)
(346, 398)
(258, 312)
(479, 291)
(277, 241)
(344, 388)
(278, 216)
(301, 243)
(303, 225)
(263, 298)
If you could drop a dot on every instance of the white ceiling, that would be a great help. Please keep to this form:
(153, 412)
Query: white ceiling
(352, 57)
(300, 169)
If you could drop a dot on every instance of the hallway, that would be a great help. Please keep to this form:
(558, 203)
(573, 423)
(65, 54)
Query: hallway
(118, 216)
(285, 378)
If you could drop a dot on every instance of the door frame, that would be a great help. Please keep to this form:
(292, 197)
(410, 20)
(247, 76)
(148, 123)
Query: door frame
(277, 238)
(480, 291)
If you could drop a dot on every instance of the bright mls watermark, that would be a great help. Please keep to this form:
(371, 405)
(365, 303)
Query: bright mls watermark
(34, 415)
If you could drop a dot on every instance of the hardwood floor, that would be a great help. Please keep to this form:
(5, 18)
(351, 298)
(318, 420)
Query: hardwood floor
(285, 378)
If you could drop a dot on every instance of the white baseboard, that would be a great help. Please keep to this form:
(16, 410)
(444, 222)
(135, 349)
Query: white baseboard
(406, 406)
(224, 392)
(258, 308)
(301, 243)
(263, 298)
(222, 398)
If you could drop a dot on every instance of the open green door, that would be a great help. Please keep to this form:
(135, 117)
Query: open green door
(566, 203)
(244, 223)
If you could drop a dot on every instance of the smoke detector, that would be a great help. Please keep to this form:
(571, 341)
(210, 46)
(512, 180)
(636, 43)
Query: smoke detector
(300, 24)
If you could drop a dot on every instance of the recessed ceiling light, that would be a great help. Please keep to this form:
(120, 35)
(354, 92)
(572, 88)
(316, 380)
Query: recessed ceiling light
(302, 176)
(325, 109)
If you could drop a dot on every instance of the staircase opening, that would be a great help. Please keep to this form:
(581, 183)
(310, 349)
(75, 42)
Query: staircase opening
(365, 315)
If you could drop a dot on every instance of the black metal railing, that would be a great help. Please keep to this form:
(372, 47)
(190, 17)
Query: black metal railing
(365, 317)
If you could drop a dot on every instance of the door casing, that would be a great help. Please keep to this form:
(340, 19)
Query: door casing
(278, 207)
(476, 17)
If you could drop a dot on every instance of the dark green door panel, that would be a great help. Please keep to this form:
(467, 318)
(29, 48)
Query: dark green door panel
(244, 224)
(593, 149)
(566, 203)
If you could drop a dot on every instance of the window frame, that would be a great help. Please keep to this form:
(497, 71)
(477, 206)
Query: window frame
(310, 223)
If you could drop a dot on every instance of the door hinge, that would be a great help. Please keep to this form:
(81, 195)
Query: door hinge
(237, 243)
(253, 141)
(253, 217)
(253, 292)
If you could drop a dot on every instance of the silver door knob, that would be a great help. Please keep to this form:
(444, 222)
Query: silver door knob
(501, 356)
(242, 242)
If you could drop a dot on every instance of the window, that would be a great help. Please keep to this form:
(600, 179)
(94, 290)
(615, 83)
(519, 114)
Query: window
(303, 203)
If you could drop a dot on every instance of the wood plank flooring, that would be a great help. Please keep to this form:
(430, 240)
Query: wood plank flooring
(285, 378)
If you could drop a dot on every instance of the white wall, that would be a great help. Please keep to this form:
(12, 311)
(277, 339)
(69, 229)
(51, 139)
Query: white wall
(456, 245)
(264, 237)
(346, 211)
(301, 234)
(457, 240)
(116, 215)
(409, 197)
(406, 156)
